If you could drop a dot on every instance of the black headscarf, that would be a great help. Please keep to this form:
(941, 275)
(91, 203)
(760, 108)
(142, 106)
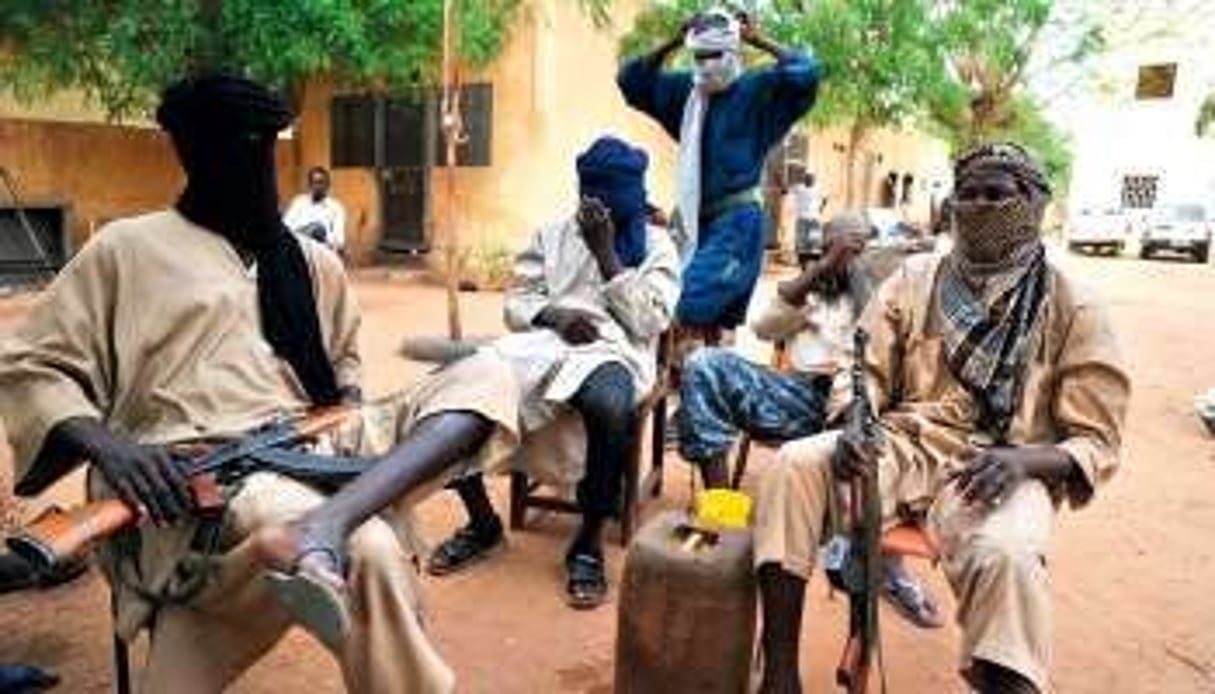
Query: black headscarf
(224, 128)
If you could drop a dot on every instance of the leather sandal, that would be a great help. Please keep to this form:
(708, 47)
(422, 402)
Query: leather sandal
(463, 549)
(587, 586)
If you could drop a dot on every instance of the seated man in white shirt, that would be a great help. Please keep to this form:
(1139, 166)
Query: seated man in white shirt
(723, 393)
(592, 293)
(317, 214)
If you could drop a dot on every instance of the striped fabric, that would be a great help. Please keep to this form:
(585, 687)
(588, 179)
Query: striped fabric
(988, 335)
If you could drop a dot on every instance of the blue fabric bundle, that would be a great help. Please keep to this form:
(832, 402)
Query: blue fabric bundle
(614, 172)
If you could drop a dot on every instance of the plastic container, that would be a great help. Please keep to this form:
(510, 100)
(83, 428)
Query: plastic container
(687, 610)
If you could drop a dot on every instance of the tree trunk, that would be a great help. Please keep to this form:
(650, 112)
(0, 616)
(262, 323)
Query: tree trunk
(453, 131)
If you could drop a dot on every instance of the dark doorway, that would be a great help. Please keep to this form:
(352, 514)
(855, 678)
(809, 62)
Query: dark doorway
(403, 201)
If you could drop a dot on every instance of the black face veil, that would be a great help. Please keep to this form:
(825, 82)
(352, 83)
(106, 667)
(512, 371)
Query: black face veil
(224, 128)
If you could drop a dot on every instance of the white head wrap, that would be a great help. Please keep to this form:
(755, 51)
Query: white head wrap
(709, 76)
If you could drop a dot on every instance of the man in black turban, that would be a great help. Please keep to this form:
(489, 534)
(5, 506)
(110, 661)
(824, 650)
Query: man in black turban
(188, 326)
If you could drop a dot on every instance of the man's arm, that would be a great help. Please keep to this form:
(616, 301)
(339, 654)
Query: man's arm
(528, 295)
(57, 376)
(1090, 409)
(642, 299)
(653, 91)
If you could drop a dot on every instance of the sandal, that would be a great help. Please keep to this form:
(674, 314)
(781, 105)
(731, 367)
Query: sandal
(315, 598)
(463, 549)
(911, 600)
(587, 587)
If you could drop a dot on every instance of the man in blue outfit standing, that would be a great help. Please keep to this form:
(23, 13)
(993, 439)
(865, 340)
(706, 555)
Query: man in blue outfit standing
(726, 120)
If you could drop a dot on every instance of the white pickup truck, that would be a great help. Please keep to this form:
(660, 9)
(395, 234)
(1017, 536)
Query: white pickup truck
(1099, 230)
(1186, 228)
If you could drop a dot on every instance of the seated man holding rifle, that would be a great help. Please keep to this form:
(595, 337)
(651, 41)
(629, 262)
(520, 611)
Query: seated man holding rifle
(172, 333)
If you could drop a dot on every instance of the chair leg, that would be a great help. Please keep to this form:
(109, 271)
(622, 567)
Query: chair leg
(740, 462)
(518, 500)
(658, 442)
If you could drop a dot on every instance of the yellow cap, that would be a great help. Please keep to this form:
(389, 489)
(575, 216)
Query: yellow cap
(722, 509)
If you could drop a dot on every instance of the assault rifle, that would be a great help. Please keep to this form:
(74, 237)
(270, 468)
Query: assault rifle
(60, 535)
(854, 556)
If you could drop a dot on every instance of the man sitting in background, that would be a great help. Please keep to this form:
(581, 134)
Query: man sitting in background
(592, 294)
(317, 214)
(722, 392)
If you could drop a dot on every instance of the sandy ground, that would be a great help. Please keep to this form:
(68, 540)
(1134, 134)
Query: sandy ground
(1131, 573)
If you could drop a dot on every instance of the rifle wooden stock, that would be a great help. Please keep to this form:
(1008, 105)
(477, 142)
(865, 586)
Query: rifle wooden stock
(59, 535)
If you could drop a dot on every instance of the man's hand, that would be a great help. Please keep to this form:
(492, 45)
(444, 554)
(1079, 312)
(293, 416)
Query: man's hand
(146, 477)
(991, 475)
(748, 27)
(574, 326)
(595, 223)
(855, 454)
(599, 232)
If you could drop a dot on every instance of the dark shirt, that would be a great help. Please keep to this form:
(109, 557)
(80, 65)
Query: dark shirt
(743, 122)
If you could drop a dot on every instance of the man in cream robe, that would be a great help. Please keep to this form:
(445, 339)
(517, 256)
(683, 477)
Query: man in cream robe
(1001, 393)
(155, 335)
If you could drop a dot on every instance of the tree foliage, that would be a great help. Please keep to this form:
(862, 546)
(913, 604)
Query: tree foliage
(121, 52)
(956, 68)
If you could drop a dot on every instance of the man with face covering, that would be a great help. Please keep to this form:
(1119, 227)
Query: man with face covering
(1002, 396)
(726, 120)
(192, 325)
(592, 293)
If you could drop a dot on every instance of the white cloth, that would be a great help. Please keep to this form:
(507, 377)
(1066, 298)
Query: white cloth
(807, 201)
(329, 214)
(818, 333)
(708, 77)
(631, 312)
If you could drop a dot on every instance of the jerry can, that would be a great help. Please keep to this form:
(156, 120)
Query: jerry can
(686, 620)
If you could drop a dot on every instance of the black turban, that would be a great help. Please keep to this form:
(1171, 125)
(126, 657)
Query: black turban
(224, 128)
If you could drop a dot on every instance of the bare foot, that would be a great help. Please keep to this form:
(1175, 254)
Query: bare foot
(303, 547)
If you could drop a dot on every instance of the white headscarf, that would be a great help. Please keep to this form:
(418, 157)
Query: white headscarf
(708, 77)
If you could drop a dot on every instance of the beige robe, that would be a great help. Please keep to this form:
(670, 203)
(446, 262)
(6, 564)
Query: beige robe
(1075, 397)
(631, 311)
(153, 328)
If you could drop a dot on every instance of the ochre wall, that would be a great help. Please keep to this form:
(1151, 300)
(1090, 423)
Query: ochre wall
(103, 171)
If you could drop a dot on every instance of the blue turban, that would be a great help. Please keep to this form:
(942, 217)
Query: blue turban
(614, 172)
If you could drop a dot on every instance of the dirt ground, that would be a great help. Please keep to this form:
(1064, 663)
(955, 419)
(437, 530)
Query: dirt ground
(1131, 573)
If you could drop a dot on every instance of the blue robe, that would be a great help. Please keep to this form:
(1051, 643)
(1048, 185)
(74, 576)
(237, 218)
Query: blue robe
(742, 124)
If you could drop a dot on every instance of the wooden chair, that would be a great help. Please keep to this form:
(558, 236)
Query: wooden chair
(526, 493)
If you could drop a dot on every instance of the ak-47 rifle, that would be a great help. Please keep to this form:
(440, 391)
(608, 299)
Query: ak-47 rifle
(60, 535)
(854, 561)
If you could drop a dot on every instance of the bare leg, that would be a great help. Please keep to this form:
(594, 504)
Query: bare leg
(436, 444)
(782, 597)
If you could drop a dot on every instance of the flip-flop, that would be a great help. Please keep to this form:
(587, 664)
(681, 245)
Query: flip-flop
(463, 549)
(911, 601)
(587, 587)
(314, 601)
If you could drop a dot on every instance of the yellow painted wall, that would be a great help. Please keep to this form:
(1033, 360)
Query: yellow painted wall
(554, 93)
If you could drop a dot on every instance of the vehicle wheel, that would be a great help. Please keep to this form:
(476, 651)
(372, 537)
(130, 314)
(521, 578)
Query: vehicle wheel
(1145, 251)
(1117, 249)
(1202, 252)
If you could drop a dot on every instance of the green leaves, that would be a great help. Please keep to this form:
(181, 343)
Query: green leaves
(122, 52)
